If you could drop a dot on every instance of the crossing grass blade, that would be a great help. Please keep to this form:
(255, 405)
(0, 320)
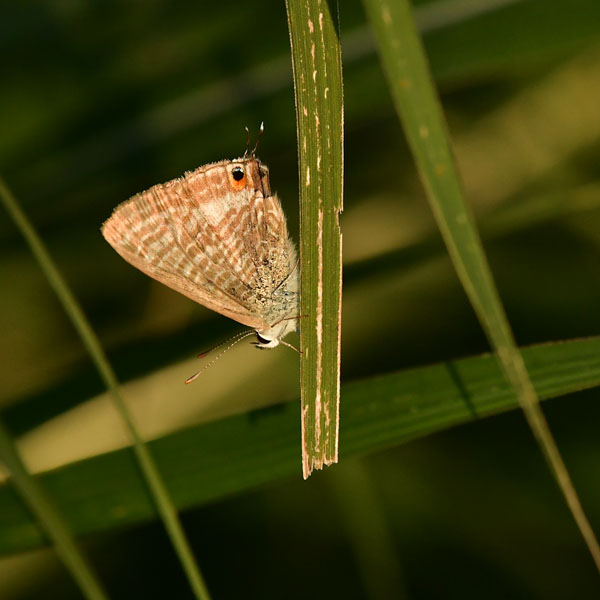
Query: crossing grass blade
(160, 494)
(419, 110)
(50, 519)
(202, 464)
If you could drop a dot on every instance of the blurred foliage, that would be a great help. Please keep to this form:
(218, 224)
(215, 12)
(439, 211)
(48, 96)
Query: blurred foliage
(101, 100)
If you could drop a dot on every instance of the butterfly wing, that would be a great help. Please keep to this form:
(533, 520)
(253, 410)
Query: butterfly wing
(212, 235)
(235, 219)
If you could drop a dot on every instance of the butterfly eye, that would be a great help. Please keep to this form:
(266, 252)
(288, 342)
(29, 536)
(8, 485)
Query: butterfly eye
(263, 172)
(238, 173)
(261, 339)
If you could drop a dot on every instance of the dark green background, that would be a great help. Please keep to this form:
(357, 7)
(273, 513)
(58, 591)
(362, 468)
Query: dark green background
(101, 100)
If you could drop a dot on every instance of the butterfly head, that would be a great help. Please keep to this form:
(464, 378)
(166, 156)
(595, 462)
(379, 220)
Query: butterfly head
(271, 337)
(264, 342)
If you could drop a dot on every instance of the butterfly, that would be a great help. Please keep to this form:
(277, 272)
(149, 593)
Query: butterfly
(218, 236)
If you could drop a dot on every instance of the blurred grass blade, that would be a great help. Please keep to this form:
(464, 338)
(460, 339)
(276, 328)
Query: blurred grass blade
(316, 61)
(418, 107)
(166, 509)
(368, 531)
(49, 519)
(212, 461)
(508, 219)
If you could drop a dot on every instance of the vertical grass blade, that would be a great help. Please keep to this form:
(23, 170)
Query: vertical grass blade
(368, 531)
(50, 520)
(419, 109)
(165, 506)
(317, 66)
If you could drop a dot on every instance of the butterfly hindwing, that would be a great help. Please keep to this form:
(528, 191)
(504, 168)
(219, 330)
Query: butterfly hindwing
(216, 235)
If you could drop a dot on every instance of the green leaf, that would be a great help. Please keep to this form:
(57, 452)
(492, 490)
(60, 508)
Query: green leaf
(316, 60)
(52, 520)
(202, 465)
(419, 109)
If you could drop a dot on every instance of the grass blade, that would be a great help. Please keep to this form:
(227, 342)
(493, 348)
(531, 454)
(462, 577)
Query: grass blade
(210, 462)
(50, 519)
(166, 509)
(418, 107)
(316, 61)
(368, 532)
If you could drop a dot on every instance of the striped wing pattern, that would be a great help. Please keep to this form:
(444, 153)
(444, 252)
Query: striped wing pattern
(216, 235)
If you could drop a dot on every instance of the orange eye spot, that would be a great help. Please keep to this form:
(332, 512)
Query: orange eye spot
(238, 178)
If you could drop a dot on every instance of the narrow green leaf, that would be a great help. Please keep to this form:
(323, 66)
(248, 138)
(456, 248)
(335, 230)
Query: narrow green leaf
(508, 219)
(50, 519)
(166, 509)
(316, 61)
(419, 109)
(214, 460)
(368, 531)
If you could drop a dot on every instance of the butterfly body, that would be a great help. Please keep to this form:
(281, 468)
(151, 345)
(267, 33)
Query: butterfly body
(219, 236)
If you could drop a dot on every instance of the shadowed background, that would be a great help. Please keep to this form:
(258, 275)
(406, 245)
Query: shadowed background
(102, 100)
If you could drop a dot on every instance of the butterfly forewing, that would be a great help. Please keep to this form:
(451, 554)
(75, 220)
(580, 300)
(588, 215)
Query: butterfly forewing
(216, 235)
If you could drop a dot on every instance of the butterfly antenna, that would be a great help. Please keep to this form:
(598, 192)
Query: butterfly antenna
(232, 341)
(229, 339)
